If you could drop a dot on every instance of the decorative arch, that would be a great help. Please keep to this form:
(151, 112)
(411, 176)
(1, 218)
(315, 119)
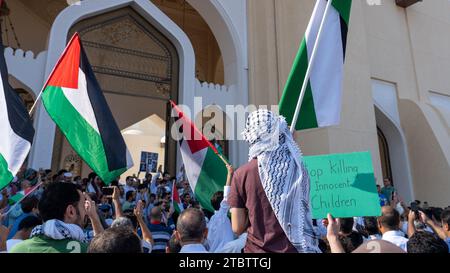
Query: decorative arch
(227, 37)
(40, 155)
(398, 153)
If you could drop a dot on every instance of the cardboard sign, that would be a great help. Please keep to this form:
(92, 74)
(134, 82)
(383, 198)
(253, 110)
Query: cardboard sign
(343, 185)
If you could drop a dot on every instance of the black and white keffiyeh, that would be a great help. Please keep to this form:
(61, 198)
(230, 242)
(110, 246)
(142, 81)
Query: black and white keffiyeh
(58, 230)
(283, 176)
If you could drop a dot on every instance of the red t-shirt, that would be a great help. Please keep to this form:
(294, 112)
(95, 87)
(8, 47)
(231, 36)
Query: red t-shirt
(264, 231)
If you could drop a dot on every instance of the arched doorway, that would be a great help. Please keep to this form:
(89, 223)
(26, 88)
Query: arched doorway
(394, 155)
(384, 155)
(137, 68)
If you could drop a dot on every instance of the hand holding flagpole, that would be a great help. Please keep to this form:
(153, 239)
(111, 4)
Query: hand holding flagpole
(310, 67)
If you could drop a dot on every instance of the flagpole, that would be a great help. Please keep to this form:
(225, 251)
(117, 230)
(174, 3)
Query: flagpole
(309, 69)
(21, 199)
(51, 73)
(223, 159)
(36, 101)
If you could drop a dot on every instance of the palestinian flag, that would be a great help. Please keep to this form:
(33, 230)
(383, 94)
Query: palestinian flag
(75, 102)
(321, 105)
(16, 128)
(22, 194)
(176, 201)
(206, 172)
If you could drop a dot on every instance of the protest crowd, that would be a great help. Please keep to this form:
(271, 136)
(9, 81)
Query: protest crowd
(63, 213)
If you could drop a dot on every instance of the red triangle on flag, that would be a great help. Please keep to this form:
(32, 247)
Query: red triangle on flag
(65, 73)
(175, 195)
(193, 137)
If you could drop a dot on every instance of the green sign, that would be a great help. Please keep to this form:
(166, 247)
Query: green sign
(343, 185)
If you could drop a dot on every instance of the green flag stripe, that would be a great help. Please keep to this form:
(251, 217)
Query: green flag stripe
(343, 7)
(176, 207)
(212, 178)
(5, 175)
(291, 94)
(81, 136)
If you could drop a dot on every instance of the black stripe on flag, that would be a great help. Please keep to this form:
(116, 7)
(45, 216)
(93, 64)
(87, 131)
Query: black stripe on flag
(113, 142)
(344, 31)
(18, 116)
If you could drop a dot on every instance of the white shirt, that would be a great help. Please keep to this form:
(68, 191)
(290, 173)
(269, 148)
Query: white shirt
(153, 186)
(396, 237)
(193, 248)
(219, 226)
(373, 237)
(404, 227)
(127, 188)
(90, 188)
(235, 246)
(11, 243)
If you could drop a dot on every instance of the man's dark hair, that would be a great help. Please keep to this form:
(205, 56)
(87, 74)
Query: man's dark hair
(129, 213)
(115, 183)
(351, 242)
(116, 240)
(426, 242)
(371, 225)
(166, 194)
(195, 203)
(29, 222)
(445, 216)
(183, 196)
(173, 245)
(428, 213)
(29, 203)
(92, 176)
(390, 219)
(436, 213)
(346, 225)
(216, 199)
(55, 200)
(152, 195)
(191, 225)
(128, 195)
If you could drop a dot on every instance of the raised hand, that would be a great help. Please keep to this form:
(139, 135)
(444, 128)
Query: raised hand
(90, 207)
(139, 210)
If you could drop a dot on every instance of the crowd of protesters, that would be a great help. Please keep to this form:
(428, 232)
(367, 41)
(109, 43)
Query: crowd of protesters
(73, 214)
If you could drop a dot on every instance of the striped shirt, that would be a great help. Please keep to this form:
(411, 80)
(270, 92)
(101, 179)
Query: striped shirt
(161, 235)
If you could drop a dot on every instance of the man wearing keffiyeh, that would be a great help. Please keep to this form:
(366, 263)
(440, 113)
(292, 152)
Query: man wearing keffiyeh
(272, 190)
(64, 210)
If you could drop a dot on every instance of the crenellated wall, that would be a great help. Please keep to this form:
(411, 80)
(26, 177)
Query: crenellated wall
(27, 68)
(215, 94)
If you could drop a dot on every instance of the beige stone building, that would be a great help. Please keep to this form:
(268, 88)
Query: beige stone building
(396, 100)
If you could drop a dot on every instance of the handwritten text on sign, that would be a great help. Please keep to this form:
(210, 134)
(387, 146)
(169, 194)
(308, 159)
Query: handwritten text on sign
(343, 185)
